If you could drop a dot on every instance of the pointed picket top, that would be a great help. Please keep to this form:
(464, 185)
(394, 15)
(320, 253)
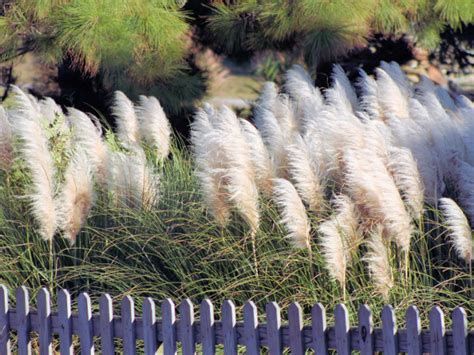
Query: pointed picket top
(295, 320)
(229, 329)
(65, 323)
(23, 320)
(414, 342)
(169, 327)
(86, 325)
(460, 333)
(127, 313)
(318, 323)
(273, 328)
(106, 324)
(343, 336)
(251, 335)
(45, 334)
(208, 333)
(186, 313)
(149, 327)
(389, 330)
(437, 331)
(366, 330)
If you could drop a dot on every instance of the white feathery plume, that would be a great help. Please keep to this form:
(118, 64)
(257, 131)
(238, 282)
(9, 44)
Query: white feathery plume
(405, 173)
(126, 119)
(347, 221)
(268, 96)
(463, 102)
(392, 99)
(210, 166)
(341, 94)
(305, 174)
(293, 213)
(378, 262)
(368, 99)
(333, 249)
(371, 187)
(445, 98)
(274, 139)
(225, 167)
(460, 232)
(260, 157)
(285, 113)
(77, 196)
(50, 111)
(399, 77)
(415, 136)
(307, 98)
(240, 173)
(87, 135)
(463, 180)
(35, 153)
(6, 142)
(340, 238)
(131, 181)
(299, 85)
(155, 128)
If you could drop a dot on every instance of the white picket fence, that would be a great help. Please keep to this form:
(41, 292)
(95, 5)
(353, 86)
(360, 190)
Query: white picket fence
(169, 331)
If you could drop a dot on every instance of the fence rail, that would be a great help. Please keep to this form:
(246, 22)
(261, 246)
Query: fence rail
(168, 331)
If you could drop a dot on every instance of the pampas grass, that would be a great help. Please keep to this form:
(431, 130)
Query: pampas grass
(87, 135)
(378, 262)
(126, 119)
(340, 238)
(154, 126)
(459, 230)
(77, 196)
(345, 175)
(34, 150)
(305, 175)
(293, 213)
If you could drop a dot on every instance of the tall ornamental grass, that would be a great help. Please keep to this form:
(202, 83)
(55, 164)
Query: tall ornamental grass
(359, 194)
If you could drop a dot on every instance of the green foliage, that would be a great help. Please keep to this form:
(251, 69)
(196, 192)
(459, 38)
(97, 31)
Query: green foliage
(143, 39)
(325, 30)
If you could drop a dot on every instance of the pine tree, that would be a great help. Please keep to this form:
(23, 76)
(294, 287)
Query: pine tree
(325, 30)
(134, 45)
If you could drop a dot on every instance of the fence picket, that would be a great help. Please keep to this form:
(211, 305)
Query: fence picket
(389, 330)
(65, 323)
(295, 320)
(251, 336)
(128, 325)
(169, 327)
(23, 320)
(229, 323)
(186, 312)
(366, 330)
(343, 336)
(106, 325)
(86, 326)
(318, 325)
(208, 335)
(414, 344)
(149, 327)
(437, 331)
(413, 340)
(44, 315)
(461, 346)
(273, 328)
(5, 347)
